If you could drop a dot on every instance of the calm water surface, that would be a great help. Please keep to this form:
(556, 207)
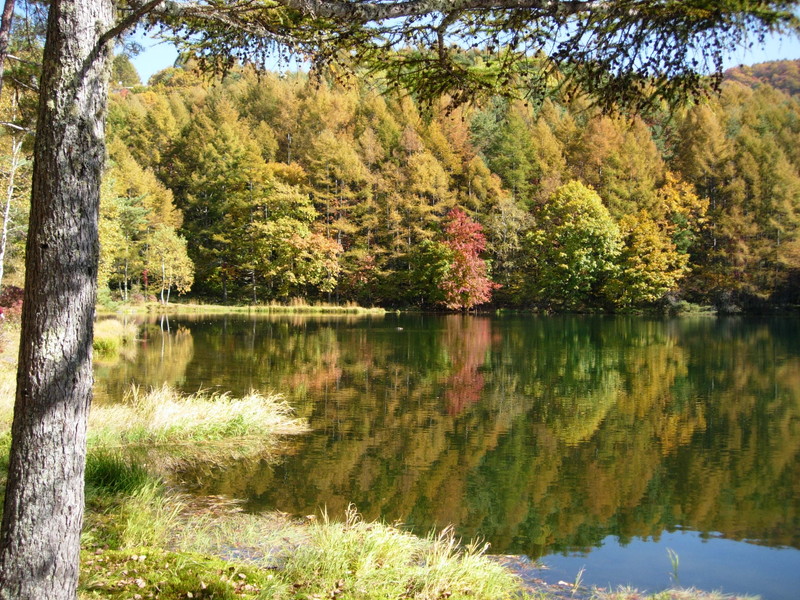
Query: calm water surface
(595, 443)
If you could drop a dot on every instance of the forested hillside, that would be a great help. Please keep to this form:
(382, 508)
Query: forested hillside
(267, 187)
(781, 74)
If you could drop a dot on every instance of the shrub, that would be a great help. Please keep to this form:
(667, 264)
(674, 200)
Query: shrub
(11, 302)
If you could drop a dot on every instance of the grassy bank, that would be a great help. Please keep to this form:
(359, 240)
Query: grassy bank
(164, 417)
(147, 542)
(292, 307)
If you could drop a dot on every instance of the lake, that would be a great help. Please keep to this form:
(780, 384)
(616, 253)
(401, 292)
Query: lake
(595, 444)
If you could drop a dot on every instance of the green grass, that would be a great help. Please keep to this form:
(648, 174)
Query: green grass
(156, 573)
(360, 560)
(111, 472)
(145, 516)
(141, 538)
(271, 556)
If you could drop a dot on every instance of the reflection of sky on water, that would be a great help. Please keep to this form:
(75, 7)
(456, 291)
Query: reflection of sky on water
(708, 563)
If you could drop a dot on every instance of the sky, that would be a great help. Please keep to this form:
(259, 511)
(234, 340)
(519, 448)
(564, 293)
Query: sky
(157, 56)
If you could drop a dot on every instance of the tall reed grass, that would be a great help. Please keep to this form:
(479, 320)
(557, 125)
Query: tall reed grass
(164, 416)
(361, 560)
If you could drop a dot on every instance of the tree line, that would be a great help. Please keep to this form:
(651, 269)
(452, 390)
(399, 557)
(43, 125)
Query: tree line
(263, 187)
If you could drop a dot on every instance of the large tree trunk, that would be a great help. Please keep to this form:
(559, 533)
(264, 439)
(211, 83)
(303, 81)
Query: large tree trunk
(39, 541)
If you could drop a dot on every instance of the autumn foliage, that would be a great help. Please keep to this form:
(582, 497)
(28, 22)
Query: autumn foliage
(466, 283)
(282, 188)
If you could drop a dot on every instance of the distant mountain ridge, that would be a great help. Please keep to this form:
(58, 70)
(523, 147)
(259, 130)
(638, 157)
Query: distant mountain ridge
(781, 74)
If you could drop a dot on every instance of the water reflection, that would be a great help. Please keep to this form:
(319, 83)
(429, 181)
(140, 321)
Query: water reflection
(541, 435)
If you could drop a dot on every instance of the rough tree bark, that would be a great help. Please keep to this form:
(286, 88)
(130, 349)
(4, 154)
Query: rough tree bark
(44, 498)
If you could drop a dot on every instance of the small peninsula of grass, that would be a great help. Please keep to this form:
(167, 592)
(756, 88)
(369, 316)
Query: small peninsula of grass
(163, 416)
(112, 337)
(154, 544)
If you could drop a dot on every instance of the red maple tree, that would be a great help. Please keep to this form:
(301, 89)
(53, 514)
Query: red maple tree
(466, 283)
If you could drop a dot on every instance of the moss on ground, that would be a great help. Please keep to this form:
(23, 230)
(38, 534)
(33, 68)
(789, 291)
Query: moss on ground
(149, 572)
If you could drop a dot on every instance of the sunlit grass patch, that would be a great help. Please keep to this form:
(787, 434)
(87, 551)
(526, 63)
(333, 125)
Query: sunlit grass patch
(111, 337)
(156, 573)
(355, 559)
(215, 525)
(164, 416)
(285, 559)
(293, 306)
(146, 516)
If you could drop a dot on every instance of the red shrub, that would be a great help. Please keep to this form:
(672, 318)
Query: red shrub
(11, 302)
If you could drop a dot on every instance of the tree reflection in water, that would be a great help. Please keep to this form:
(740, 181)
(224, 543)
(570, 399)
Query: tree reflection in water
(540, 434)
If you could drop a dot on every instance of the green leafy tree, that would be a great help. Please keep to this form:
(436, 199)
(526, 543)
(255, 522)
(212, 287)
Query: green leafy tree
(428, 265)
(133, 205)
(574, 249)
(649, 264)
(503, 137)
(290, 258)
(149, 122)
(507, 226)
(168, 263)
(341, 183)
(220, 180)
(123, 73)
